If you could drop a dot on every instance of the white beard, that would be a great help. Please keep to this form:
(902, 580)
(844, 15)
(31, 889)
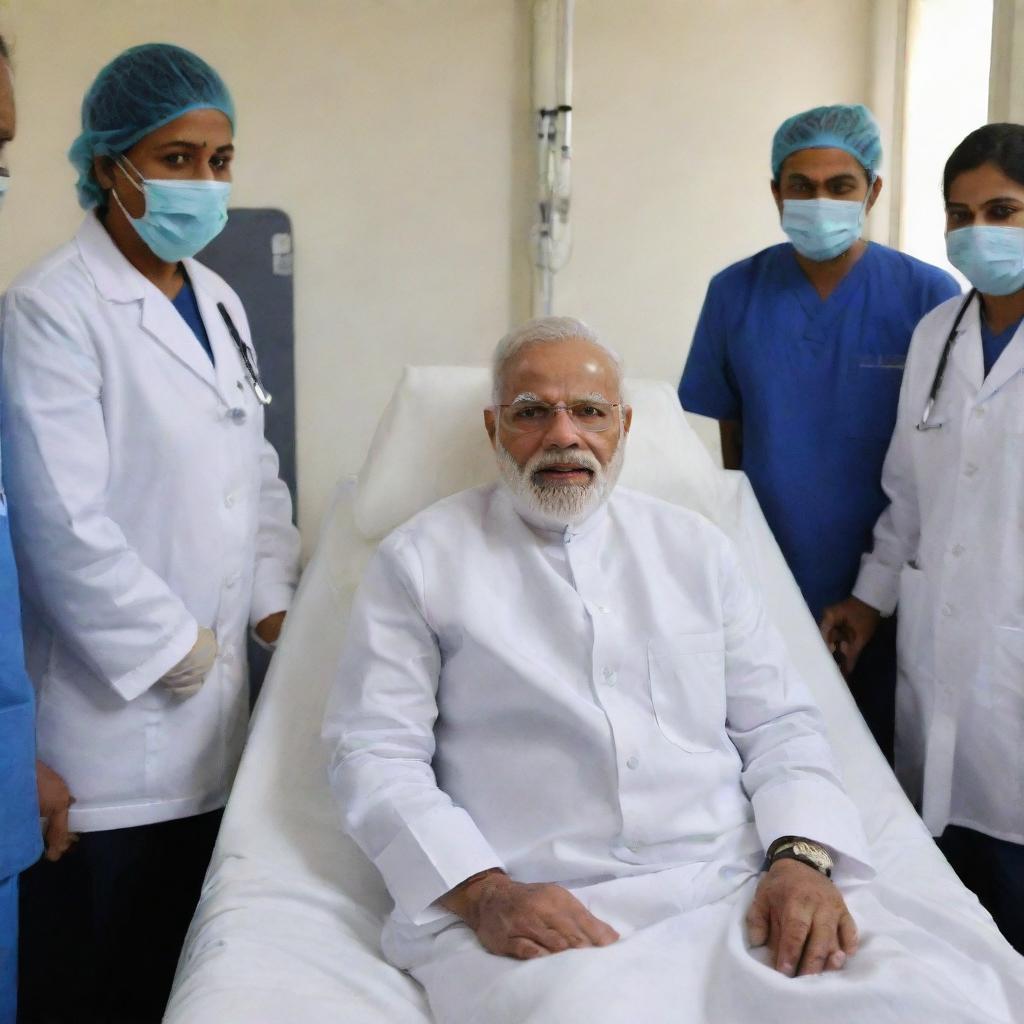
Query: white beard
(559, 504)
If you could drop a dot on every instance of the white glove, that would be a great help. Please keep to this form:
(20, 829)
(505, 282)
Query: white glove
(185, 679)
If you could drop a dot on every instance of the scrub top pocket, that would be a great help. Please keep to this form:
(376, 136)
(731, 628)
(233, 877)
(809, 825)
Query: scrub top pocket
(871, 395)
(687, 677)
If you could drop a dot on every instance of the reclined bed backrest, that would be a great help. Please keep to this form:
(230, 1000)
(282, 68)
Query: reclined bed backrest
(431, 442)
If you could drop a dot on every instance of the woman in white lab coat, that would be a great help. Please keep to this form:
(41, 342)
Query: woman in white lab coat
(151, 529)
(949, 549)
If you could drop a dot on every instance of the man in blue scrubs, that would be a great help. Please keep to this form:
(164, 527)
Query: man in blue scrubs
(799, 354)
(21, 803)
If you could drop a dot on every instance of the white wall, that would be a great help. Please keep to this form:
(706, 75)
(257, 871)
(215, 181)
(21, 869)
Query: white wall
(397, 135)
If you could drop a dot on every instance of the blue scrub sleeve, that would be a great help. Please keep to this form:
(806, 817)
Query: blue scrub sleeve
(941, 286)
(708, 386)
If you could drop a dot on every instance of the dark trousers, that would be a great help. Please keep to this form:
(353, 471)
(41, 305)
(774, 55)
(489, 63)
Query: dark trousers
(993, 869)
(102, 928)
(8, 947)
(873, 685)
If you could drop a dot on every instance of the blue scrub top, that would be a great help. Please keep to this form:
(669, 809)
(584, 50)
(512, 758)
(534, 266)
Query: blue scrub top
(185, 303)
(20, 838)
(815, 384)
(992, 345)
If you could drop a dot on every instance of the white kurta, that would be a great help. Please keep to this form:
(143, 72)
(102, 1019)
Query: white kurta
(949, 549)
(607, 703)
(145, 503)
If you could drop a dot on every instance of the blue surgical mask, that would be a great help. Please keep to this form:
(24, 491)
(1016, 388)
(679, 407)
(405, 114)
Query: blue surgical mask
(991, 258)
(5, 184)
(822, 229)
(181, 217)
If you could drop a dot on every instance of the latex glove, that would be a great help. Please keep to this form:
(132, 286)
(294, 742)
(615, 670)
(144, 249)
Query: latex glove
(525, 920)
(802, 918)
(186, 678)
(55, 800)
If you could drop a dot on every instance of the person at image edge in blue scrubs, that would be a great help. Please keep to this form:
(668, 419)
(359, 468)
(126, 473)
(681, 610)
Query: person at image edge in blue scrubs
(20, 805)
(799, 355)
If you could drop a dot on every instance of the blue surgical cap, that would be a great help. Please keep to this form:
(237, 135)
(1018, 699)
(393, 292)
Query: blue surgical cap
(850, 128)
(137, 92)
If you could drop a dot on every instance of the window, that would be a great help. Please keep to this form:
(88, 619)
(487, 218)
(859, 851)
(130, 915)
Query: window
(949, 44)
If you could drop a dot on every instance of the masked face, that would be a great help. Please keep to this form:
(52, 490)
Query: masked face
(181, 217)
(174, 184)
(985, 229)
(823, 196)
(822, 229)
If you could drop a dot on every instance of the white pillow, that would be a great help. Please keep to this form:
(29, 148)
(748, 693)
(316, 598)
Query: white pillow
(431, 442)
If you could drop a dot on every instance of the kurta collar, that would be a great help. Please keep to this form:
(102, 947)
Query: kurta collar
(549, 530)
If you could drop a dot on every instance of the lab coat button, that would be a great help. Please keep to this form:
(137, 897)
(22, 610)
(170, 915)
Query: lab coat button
(970, 469)
(609, 676)
(603, 609)
(979, 411)
(947, 610)
(236, 415)
(957, 550)
(229, 500)
(633, 847)
(633, 763)
(232, 580)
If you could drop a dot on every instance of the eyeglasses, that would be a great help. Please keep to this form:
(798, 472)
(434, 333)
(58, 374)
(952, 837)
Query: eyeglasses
(527, 417)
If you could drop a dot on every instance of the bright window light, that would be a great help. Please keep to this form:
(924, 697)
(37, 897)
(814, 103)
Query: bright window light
(949, 45)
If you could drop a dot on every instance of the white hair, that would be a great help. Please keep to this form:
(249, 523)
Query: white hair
(541, 331)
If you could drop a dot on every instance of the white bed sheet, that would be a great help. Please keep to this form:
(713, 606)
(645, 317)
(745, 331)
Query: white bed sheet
(287, 929)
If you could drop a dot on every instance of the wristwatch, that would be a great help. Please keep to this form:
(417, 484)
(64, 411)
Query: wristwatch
(812, 854)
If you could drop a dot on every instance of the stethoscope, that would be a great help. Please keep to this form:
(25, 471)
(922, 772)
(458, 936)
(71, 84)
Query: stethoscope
(940, 370)
(262, 395)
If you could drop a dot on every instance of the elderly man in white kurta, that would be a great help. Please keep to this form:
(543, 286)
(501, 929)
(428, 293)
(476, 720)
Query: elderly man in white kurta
(567, 736)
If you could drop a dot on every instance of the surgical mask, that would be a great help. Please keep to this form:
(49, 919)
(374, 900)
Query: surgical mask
(181, 217)
(5, 183)
(991, 258)
(822, 229)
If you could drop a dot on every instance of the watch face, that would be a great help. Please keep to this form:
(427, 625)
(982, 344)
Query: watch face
(813, 853)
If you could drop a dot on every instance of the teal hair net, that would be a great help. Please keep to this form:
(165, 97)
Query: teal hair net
(137, 92)
(850, 128)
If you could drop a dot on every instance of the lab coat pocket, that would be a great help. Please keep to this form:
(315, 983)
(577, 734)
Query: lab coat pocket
(871, 395)
(687, 677)
(1007, 676)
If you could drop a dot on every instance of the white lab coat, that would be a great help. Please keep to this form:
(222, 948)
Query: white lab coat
(145, 503)
(605, 704)
(949, 550)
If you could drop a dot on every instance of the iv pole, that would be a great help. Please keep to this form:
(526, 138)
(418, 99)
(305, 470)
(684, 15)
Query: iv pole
(550, 238)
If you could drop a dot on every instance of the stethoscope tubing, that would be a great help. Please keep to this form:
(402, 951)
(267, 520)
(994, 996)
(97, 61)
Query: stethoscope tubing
(940, 369)
(262, 395)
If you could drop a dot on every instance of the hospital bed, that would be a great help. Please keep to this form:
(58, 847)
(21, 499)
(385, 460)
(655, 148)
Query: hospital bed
(287, 928)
